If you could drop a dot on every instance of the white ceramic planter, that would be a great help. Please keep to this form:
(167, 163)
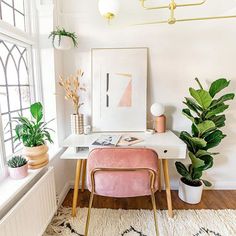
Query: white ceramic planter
(66, 43)
(19, 172)
(190, 194)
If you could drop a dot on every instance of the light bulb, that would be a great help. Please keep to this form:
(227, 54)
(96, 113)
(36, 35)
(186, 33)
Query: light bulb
(157, 109)
(108, 8)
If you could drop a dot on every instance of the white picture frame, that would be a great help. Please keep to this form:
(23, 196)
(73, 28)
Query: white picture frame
(119, 89)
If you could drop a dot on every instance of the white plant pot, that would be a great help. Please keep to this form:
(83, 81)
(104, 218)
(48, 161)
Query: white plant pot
(190, 194)
(66, 43)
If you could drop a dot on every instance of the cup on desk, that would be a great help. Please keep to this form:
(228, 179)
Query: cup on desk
(87, 129)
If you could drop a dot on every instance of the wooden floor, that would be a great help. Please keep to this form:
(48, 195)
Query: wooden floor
(211, 199)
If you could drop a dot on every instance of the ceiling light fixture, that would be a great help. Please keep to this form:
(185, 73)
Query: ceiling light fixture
(172, 6)
(108, 8)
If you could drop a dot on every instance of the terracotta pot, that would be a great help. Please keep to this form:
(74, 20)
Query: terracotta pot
(190, 194)
(19, 172)
(65, 43)
(37, 156)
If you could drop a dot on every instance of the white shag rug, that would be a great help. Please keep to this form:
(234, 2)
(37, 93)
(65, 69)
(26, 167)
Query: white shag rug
(108, 222)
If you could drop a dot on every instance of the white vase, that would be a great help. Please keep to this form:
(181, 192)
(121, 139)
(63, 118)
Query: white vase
(77, 123)
(190, 194)
(65, 43)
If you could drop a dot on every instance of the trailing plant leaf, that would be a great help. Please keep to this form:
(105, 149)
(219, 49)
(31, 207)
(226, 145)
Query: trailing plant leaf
(202, 97)
(217, 86)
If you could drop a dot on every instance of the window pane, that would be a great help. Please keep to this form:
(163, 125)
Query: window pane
(20, 20)
(25, 96)
(19, 5)
(3, 99)
(2, 75)
(6, 126)
(16, 92)
(7, 13)
(9, 2)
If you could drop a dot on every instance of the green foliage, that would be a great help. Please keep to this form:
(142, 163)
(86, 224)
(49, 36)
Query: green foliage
(205, 113)
(17, 161)
(62, 32)
(33, 133)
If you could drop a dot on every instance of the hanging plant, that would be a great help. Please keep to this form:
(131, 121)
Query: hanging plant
(62, 39)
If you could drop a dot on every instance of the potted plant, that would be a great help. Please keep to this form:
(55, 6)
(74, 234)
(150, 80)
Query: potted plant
(72, 86)
(17, 167)
(205, 111)
(62, 39)
(34, 134)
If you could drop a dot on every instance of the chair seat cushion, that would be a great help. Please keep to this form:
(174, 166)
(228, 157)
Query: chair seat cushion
(122, 183)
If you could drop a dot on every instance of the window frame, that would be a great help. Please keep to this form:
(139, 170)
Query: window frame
(26, 39)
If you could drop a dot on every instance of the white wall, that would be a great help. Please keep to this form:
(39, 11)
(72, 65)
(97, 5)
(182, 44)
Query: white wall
(177, 54)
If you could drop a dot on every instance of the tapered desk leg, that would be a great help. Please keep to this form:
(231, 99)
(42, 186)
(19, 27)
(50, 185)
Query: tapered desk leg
(159, 175)
(167, 185)
(76, 186)
(84, 174)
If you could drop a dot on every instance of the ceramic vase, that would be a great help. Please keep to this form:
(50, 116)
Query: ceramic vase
(19, 172)
(77, 123)
(37, 156)
(190, 194)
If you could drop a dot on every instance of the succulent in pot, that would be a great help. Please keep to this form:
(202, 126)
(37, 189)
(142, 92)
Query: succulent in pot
(18, 167)
(205, 111)
(62, 39)
(34, 134)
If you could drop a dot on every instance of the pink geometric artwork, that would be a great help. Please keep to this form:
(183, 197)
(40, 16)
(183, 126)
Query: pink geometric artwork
(126, 99)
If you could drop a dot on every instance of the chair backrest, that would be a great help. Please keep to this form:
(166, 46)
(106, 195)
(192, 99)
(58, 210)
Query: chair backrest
(116, 182)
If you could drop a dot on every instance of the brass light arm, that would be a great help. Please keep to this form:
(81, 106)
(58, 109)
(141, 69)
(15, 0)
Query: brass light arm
(168, 6)
(188, 19)
(152, 8)
(191, 4)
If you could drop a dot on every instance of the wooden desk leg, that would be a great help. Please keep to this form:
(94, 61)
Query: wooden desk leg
(167, 185)
(76, 186)
(159, 175)
(84, 174)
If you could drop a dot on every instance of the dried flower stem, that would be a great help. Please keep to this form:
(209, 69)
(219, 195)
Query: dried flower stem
(72, 86)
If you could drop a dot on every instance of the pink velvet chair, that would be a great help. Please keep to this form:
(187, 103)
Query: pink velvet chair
(122, 172)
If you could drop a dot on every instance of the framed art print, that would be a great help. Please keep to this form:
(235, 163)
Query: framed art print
(119, 89)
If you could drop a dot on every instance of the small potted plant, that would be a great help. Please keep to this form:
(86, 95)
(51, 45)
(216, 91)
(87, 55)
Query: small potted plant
(62, 39)
(34, 134)
(72, 86)
(205, 111)
(18, 167)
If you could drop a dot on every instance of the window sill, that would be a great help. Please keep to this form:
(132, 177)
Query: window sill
(10, 188)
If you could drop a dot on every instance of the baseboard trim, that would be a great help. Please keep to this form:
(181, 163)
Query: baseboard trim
(61, 197)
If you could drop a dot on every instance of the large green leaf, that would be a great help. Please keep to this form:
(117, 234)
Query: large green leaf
(217, 110)
(192, 105)
(206, 183)
(214, 139)
(188, 114)
(222, 99)
(182, 170)
(186, 137)
(205, 126)
(36, 110)
(202, 97)
(208, 162)
(201, 153)
(199, 142)
(196, 174)
(219, 120)
(196, 162)
(217, 86)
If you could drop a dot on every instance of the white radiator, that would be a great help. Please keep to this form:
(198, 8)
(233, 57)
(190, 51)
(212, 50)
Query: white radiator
(31, 215)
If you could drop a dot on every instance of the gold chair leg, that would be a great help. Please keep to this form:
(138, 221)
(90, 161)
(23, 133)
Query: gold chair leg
(159, 175)
(154, 211)
(83, 175)
(89, 212)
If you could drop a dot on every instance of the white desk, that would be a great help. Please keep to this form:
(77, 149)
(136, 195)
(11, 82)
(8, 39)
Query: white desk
(167, 145)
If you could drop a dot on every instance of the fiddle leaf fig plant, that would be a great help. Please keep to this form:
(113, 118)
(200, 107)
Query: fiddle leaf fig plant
(205, 110)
